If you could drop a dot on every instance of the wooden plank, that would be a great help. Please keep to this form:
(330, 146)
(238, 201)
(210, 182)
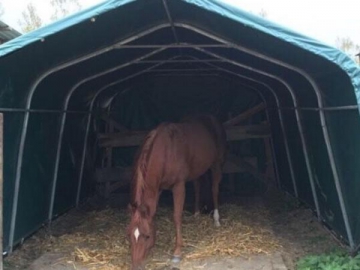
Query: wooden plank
(109, 151)
(112, 122)
(270, 173)
(113, 174)
(247, 167)
(245, 115)
(232, 166)
(236, 133)
(233, 133)
(124, 174)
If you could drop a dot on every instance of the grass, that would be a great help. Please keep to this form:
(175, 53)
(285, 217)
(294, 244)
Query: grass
(337, 260)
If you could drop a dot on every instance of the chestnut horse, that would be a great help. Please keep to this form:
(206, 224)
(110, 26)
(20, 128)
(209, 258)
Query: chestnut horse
(172, 154)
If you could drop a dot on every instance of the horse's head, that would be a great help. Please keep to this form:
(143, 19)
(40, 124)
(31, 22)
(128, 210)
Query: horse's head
(141, 234)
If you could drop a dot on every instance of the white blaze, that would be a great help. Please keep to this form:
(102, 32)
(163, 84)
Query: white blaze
(136, 234)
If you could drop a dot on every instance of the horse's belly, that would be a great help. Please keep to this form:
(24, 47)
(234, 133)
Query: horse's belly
(201, 163)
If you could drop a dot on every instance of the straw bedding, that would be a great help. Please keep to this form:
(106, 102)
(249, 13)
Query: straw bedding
(100, 241)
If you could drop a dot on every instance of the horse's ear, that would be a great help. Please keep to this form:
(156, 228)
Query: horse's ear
(144, 210)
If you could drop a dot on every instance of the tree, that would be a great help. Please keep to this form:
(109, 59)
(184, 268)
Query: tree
(1, 10)
(263, 13)
(349, 47)
(344, 44)
(30, 19)
(63, 8)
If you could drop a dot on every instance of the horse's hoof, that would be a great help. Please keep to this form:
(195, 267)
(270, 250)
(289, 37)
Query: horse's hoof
(217, 224)
(176, 259)
(197, 213)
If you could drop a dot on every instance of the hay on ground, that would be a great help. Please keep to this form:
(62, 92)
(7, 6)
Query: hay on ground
(100, 242)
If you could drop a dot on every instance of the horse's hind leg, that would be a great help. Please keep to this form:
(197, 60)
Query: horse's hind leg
(179, 198)
(197, 196)
(216, 178)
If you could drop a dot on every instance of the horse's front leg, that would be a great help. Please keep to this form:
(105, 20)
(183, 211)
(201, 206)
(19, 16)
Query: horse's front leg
(179, 198)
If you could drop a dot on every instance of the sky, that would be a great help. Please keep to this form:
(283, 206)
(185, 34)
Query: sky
(323, 20)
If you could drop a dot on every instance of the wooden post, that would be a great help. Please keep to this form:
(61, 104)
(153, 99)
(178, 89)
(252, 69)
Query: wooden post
(108, 163)
(1, 189)
(245, 115)
(269, 162)
(116, 125)
(135, 138)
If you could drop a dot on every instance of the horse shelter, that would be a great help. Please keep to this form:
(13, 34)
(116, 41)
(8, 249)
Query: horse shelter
(99, 79)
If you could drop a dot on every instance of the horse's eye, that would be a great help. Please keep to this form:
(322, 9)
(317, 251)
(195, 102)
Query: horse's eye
(147, 237)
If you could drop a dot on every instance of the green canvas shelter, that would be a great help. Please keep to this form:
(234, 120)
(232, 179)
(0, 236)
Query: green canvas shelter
(155, 60)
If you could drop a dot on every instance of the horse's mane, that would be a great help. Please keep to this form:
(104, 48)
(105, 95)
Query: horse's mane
(139, 174)
(142, 161)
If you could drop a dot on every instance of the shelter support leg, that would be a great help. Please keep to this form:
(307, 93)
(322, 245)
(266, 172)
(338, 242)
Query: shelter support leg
(108, 163)
(337, 183)
(1, 189)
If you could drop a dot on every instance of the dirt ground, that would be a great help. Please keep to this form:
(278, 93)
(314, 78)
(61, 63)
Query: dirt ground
(293, 226)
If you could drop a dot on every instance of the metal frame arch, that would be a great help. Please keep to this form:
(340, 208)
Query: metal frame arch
(251, 88)
(313, 189)
(322, 118)
(262, 97)
(255, 70)
(272, 91)
(91, 109)
(321, 114)
(116, 82)
(63, 120)
(287, 148)
(259, 92)
(27, 114)
(312, 184)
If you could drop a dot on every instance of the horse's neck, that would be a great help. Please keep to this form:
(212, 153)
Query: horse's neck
(147, 196)
(151, 198)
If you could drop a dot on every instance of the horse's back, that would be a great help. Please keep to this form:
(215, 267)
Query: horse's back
(214, 128)
(206, 140)
(183, 150)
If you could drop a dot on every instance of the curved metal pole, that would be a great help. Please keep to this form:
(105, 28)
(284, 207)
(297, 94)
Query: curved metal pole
(63, 120)
(321, 114)
(322, 117)
(27, 114)
(281, 118)
(273, 77)
(313, 189)
(302, 137)
(89, 122)
(264, 100)
(89, 118)
(262, 97)
(82, 164)
(171, 21)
